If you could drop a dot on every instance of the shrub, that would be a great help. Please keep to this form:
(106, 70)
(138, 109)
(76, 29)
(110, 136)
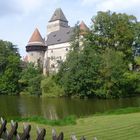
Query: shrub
(50, 88)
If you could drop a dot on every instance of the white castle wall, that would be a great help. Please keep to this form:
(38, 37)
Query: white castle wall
(55, 55)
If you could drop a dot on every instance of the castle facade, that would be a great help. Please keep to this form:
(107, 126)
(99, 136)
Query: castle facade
(51, 51)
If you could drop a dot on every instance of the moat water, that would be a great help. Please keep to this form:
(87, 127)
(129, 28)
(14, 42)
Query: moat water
(54, 108)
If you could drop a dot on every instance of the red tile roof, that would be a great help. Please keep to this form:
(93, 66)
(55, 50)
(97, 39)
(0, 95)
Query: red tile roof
(36, 39)
(83, 26)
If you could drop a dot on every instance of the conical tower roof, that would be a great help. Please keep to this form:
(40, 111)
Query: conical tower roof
(36, 39)
(58, 15)
(83, 26)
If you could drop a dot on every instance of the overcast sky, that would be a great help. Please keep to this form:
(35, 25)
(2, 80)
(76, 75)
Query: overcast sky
(19, 18)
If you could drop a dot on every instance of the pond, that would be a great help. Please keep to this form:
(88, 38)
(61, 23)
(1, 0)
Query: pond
(54, 108)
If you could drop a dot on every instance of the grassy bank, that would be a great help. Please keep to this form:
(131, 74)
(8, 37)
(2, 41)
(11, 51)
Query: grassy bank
(105, 127)
(70, 120)
(127, 110)
(111, 125)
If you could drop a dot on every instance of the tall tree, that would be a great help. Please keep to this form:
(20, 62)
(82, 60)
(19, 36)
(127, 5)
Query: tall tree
(116, 31)
(30, 80)
(9, 68)
(101, 68)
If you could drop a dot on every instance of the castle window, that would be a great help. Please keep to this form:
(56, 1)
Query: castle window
(67, 49)
(51, 51)
(52, 66)
(31, 54)
(59, 40)
(68, 32)
(52, 57)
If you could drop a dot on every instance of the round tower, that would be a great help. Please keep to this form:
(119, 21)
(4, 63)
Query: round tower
(36, 48)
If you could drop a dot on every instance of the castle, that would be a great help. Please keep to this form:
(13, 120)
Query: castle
(52, 50)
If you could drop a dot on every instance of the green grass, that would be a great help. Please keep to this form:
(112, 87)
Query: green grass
(120, 124)
(105, 127)
(70, 120)
(120, 111)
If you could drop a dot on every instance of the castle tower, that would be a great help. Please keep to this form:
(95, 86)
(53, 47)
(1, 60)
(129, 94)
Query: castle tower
(36, 48)
(83, 28)
(83, 31)
(57, 22)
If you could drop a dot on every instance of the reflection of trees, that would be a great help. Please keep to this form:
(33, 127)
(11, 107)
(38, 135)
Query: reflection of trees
(54, 108)
(9, 106)
(59, 108)
(49, 111)
(30, 106)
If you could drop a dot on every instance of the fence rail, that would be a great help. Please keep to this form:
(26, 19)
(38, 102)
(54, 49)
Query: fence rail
(13, 134)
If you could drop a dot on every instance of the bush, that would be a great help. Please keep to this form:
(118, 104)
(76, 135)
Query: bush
(50, 88)
(31, 80)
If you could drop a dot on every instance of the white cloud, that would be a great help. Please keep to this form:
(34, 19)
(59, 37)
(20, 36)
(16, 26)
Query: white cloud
(8, 7)
(89, 2)
(16, 7)
(33, 5)
(127, 6)
(29, 5)
(112, 4)
(118, 4)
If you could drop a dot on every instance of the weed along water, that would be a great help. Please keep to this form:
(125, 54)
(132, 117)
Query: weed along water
(58, 108)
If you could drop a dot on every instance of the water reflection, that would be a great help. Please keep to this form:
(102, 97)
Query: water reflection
(59, 108)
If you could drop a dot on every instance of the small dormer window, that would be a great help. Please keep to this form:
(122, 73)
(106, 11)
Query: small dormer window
(58, 39)
(54, 35)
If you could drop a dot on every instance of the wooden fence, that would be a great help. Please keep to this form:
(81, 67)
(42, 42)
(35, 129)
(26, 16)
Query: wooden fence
(25, 135)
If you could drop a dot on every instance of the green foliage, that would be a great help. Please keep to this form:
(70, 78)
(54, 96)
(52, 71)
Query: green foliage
(116, 31)
(101, 66)
(111, 71)
(69, 120)
(78, 74)
(137, 60)
(132, 82)
(9, 68)
(31, 80)
(136, 43)
(50, 88)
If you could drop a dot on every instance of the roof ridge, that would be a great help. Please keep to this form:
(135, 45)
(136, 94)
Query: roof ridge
(83, 26)
(58, 15)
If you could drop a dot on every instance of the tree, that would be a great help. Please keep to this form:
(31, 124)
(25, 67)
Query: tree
(50, 88)
(116, 31)
(9, 68)
(30, 80)
(136, 44)
(112, 70)
(70, 66)
(102, 67)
